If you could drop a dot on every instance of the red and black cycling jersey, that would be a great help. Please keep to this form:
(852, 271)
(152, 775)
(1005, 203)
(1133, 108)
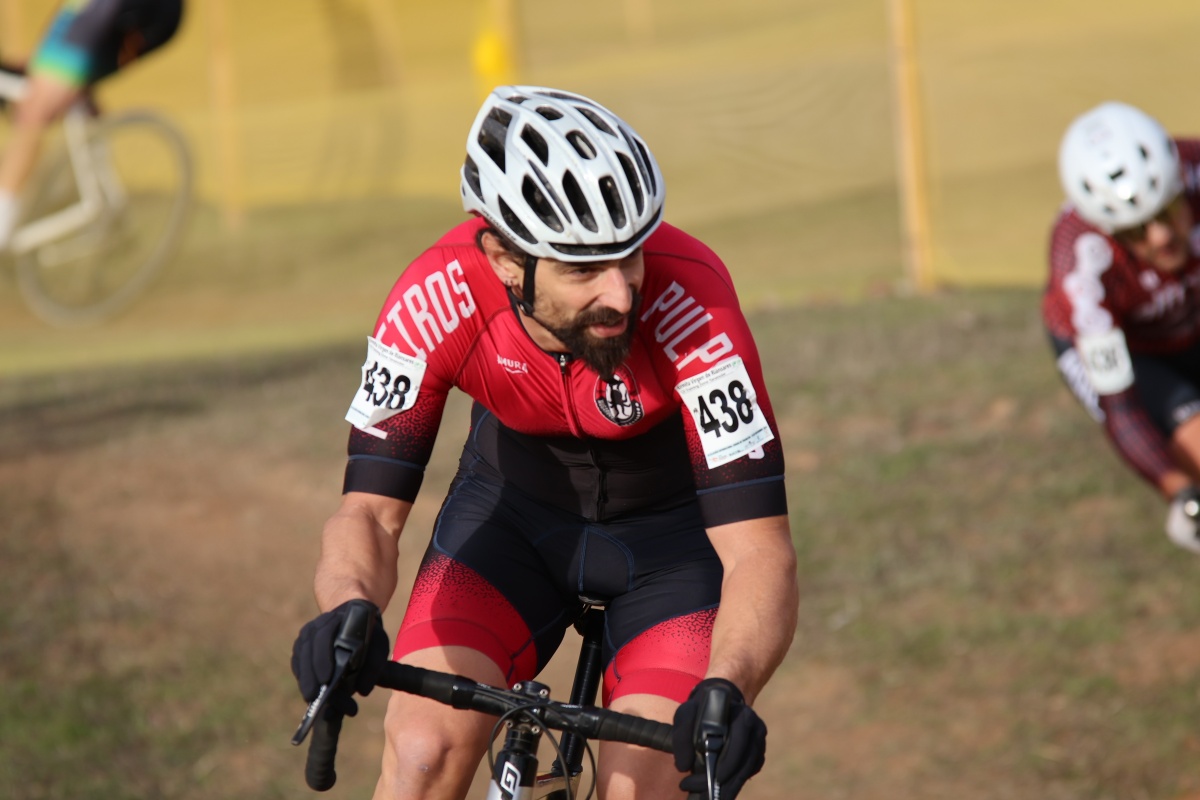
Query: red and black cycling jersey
(686, 415)
(1103, 309)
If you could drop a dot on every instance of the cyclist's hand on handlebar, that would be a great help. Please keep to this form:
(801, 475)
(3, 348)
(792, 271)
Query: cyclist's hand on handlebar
(1183, 519)
(745, 740)
(313, 654)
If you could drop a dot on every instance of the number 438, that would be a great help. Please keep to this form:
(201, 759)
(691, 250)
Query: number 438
(725, 409)
(380, 388)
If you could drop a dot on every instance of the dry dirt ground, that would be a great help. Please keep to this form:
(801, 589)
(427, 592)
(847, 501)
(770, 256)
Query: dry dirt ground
(176, 511)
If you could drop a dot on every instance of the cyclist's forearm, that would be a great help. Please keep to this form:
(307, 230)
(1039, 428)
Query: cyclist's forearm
(359, 553)
(759, 599)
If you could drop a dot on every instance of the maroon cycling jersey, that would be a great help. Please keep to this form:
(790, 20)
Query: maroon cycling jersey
(1102, 306)
(687, 414)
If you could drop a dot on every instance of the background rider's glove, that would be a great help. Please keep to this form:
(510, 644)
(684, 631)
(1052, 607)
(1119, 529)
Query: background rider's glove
(1183, 519)
(745, 743)
(313, 653)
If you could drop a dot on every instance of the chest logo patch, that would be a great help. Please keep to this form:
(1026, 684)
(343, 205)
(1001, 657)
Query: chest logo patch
(618, 398)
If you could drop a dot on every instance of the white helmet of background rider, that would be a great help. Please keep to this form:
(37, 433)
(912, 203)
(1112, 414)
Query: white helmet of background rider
(560, 175)
(1118, 166)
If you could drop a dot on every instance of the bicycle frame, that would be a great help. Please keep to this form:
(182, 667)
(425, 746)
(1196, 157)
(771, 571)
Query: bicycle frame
(518, 756)
(97, 186)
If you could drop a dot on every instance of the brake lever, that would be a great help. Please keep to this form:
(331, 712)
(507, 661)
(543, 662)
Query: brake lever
(348, 649)
(710, 736)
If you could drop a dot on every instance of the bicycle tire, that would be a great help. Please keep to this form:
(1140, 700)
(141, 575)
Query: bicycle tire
(130, 244)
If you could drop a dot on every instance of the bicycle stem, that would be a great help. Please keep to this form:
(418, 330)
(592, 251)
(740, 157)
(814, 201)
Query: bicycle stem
(515, 770)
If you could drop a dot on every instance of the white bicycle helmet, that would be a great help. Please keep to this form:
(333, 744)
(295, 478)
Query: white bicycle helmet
(1118, 166)
(560, 175)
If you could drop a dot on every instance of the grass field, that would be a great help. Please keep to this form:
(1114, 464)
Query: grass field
(989, 606)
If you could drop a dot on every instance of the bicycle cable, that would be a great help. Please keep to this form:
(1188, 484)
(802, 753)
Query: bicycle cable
(547, 706)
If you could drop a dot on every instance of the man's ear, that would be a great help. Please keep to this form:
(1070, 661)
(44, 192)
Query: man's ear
(508, 268)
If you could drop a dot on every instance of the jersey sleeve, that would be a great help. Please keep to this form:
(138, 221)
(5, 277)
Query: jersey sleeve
(1085, 326)
(708, 354)
(411, 362)
(1128, 427)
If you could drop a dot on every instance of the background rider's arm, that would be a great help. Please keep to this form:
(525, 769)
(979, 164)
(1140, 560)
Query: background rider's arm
(1128, 426)
(1140, 443)
(759, 599)
(359, 550)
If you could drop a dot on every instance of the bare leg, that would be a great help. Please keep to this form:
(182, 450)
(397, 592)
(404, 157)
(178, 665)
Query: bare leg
(46, 100)
(627, 772)
(433, 750)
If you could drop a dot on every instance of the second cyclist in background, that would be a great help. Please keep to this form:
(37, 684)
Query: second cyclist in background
(86, 41)
(1122, 305)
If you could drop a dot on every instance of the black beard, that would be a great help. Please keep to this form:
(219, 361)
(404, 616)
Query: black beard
(601, 354)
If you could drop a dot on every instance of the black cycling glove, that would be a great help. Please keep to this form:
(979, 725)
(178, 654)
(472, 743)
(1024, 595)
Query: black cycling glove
(313, 661)
(745, 744)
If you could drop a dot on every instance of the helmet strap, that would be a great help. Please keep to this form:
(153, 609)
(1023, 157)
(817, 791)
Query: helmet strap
(525, 303)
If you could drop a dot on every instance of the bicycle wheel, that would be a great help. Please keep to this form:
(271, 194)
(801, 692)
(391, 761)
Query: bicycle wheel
(144, 171)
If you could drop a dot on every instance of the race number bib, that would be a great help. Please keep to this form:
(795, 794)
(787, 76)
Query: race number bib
(390, 381)
(1106, 361)
(724, 407)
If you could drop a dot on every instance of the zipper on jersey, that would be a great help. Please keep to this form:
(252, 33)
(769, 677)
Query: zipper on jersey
(601, 496)
(564, 369)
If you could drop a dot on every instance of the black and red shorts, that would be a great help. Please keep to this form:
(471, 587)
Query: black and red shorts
(504, 573)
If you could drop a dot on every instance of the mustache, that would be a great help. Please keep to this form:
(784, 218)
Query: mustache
(600, 316)
(607, 316)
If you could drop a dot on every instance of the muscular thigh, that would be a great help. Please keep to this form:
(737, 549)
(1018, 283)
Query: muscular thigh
(484, 585)
(658, 633)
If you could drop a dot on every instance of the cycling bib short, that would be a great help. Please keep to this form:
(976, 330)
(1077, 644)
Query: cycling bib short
(504, 572)
(91, 39)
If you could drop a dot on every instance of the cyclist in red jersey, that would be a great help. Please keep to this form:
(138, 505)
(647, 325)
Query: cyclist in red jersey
(622, 447)
(87, 40)
(1122, 305)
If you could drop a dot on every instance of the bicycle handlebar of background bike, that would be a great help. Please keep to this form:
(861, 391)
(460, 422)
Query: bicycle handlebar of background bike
(464, 693)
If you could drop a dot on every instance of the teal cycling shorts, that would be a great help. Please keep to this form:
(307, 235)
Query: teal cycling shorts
(90, 39)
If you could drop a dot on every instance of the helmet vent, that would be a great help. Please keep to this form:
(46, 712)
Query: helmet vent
(649, 175)
(1144, 152)
(579, 203)
(493, 133)
(514, 223)
(536, 143)
(635, 183)
(581, 145)
(612, 199)
(549, 113)
(548, 189)
(541, 206)
(596, 120)
(471, 173)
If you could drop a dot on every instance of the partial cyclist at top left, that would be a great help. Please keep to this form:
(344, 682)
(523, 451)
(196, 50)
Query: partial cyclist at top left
(73, 222)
